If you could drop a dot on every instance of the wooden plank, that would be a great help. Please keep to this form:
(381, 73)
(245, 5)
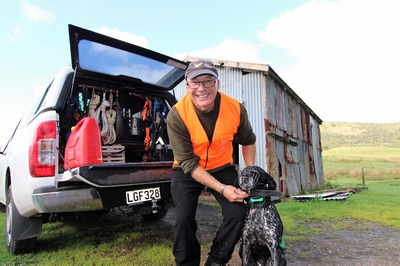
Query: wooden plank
(113, 154)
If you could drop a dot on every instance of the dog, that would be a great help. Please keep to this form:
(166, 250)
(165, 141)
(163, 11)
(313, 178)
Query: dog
(262, 240)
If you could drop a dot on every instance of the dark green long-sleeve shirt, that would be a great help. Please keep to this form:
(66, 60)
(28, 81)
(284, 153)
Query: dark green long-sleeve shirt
(179, 136)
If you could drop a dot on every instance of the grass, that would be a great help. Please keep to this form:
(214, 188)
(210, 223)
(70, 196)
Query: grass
(94, 241)
(103, 241)
(378, 204)
(344, 167)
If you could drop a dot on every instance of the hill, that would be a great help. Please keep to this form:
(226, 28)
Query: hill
(344, 134)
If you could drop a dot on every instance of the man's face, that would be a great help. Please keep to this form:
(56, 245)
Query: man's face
(203, 90)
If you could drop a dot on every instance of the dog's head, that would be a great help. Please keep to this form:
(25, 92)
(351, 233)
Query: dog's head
(254, 177)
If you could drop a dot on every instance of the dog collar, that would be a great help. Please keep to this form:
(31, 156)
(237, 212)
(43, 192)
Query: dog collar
(265, 193)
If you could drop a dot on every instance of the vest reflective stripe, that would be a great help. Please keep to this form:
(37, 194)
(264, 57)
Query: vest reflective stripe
(219, 152)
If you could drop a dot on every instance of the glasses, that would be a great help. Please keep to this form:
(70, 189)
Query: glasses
(206, 83)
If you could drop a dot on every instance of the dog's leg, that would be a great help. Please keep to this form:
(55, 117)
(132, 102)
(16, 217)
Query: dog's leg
(245, 251)
(245, 248)
(257, 239)
(277, 252)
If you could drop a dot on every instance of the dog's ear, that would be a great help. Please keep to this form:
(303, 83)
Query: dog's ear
(267, 179)
(271, 182)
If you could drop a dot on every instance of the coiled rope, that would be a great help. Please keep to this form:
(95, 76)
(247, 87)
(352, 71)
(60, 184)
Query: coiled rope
(94, 101)
(101, 117)
(110, 135)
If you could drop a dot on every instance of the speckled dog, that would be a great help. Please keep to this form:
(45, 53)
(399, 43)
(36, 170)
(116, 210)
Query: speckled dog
(262, 239)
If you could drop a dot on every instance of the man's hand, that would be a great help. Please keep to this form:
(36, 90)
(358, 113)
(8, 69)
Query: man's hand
(234, 194)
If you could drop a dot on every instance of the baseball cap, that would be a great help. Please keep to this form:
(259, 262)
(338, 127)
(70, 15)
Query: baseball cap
(201, 67)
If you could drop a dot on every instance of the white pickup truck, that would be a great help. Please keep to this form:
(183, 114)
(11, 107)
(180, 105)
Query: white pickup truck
(48, 167)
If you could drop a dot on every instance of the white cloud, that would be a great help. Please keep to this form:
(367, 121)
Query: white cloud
(124, 36)
(347, 57)
(17, 31)
(232, 50)
(35, 13)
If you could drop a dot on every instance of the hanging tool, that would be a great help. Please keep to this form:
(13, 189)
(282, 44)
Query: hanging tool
(119, 121)
(146, 117)
(158, 136)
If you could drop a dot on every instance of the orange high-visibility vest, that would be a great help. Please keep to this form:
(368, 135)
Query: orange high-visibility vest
(219, 151)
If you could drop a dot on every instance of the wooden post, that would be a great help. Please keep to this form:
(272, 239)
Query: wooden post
(363, 180)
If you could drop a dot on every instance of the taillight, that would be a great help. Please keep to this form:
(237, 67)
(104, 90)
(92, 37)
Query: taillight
(42, 153)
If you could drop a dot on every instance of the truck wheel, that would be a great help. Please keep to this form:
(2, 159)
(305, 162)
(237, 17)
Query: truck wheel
(155, 216)
(14, 246)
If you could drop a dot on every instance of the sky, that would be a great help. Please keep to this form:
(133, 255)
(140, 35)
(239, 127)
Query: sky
(340, 57)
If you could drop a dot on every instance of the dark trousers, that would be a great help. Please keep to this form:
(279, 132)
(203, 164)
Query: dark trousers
(185, 194)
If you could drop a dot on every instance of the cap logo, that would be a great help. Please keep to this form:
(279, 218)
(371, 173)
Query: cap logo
(200, 64)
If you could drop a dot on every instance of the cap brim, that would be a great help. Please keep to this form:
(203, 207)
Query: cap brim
(197, 73)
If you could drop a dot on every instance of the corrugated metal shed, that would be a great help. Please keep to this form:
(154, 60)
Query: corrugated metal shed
(288, 135)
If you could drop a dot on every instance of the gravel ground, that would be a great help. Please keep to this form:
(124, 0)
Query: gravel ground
(361, 243)
(364, 244)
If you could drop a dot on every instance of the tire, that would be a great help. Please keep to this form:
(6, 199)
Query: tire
(155, 216)
(13, 217)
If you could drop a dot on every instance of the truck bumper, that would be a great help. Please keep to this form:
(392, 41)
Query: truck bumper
(56, 200)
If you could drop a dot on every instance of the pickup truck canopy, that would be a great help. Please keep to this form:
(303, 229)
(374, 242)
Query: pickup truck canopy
(99, 55)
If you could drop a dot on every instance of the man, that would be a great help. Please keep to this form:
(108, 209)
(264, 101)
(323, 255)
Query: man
(202, 127)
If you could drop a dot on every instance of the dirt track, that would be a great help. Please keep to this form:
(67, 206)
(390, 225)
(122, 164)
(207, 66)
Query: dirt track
(362, 243)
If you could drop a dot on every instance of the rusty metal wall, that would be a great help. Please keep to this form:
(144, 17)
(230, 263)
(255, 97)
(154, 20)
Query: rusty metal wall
(293, 150)
(288, 136)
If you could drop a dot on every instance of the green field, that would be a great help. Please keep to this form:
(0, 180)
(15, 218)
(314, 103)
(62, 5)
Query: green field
(343, 134)
(377, 163)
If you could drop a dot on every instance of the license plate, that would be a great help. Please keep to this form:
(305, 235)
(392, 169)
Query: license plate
(142, 195)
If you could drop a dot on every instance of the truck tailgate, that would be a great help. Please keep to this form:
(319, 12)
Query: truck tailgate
(124, 174)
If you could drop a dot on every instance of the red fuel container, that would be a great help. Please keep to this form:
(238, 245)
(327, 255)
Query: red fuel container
(84, 145)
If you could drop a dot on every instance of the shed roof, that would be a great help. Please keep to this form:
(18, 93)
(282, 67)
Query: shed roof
(267, 70)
